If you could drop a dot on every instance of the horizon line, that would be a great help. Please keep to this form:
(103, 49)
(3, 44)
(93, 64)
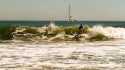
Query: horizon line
(61, 20)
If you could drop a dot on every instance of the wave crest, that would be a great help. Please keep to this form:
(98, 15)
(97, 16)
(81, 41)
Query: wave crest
(70, 33)
(109, 31)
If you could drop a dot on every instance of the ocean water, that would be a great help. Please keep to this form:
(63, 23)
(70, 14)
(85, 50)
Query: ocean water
(64, 23)
(102, 55)
(108, 55)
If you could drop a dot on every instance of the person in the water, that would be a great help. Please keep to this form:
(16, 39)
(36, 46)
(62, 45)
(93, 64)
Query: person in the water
(80, 27)
(80, 31)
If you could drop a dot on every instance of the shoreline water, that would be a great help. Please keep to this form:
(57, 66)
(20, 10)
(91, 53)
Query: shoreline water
(106, 55)
(18, 41)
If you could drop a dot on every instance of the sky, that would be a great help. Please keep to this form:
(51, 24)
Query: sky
(97, 10)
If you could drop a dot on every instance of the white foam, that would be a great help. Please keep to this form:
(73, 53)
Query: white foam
(113, 32)
(52, 24)
(98, 54)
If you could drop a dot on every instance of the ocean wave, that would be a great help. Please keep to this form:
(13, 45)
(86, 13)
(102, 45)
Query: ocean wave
(63, 33)
(114, 32)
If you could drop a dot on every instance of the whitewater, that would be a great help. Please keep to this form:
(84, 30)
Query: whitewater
(114, 32)
(111, 32)
(108, 55)
(71, 55)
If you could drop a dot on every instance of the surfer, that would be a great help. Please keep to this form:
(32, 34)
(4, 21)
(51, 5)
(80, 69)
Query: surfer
(80, 31)
(80, 27)
(77, 37)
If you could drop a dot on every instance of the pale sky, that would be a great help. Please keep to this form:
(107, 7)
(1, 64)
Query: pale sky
(107, 10)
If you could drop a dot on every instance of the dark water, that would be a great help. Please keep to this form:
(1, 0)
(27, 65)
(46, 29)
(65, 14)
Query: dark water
(64, 23)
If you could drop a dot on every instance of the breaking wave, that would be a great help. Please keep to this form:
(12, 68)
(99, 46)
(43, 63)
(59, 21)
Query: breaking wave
(63, 33)
(113, 32)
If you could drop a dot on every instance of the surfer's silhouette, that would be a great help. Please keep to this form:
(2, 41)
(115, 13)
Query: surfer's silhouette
(80, 27)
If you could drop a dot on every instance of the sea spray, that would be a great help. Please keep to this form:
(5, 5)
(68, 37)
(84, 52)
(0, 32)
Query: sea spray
(52, 25)
(112, 32)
